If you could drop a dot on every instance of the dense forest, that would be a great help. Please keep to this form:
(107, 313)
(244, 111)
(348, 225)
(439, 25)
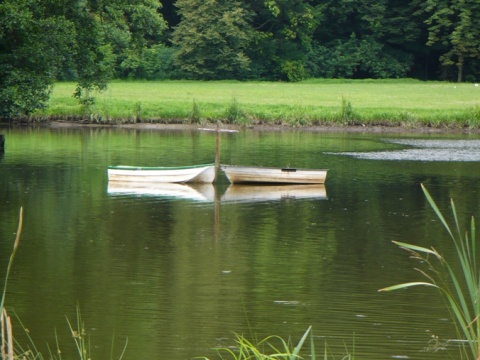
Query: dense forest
(94, 41)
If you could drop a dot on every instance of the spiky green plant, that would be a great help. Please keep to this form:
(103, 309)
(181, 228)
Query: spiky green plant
(235, 114)
(195, 115)
(266, 349)
(459, 288)
(347, 114)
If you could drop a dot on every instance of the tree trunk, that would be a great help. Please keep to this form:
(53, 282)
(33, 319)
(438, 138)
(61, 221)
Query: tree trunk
(460, 69)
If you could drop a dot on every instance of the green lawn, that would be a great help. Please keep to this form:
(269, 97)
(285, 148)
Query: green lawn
(342, 102)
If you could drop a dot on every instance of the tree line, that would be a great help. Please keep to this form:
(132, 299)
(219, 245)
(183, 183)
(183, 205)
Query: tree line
(94, 41)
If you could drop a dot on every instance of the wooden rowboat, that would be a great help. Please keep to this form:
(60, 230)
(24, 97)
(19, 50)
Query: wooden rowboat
(251, 174)
(180, 174)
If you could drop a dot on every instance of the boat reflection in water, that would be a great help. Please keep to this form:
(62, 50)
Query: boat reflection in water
(206, 192)
(195, 192)
(253, 193)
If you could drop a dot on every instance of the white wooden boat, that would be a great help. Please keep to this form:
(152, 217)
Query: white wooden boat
(257, 193)
(195, 192)
(180, 174)
(251, 174)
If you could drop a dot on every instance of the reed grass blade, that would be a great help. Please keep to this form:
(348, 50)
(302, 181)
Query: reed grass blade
(416, 248)
(435, 208)
(297, 349)
(459, 288)
(12, 256)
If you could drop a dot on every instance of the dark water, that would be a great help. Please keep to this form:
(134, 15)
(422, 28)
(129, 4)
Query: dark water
(179, 276)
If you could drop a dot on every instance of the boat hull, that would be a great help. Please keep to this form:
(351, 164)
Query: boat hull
(250, 174)
(183, 174)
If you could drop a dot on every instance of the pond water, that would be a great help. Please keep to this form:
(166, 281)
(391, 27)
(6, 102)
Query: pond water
(180, 275)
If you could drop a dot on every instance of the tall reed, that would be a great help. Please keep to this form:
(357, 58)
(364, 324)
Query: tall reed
(10, 349)
(459, 288)
(7, 349)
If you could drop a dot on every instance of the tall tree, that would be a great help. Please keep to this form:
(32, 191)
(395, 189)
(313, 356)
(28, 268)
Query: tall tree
(455, 24)
(33, 45)
(132, 27)
(86, 39)
(211, 39)
(92, 58)
(364, 39)
(283, 36)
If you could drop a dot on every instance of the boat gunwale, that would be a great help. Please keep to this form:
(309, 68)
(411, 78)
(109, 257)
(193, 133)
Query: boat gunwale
(138, 168)
(286, 169)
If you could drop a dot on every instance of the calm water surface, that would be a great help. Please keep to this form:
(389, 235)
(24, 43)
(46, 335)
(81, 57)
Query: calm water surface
(180, 275)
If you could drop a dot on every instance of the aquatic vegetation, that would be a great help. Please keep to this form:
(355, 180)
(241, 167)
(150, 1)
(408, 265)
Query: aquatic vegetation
(275, 348)
(459, 288)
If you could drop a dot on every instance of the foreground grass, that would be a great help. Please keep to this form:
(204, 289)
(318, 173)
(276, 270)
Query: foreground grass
(405, 102)
(276, 348)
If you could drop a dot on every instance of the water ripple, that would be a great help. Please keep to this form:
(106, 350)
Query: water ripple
(425, 150)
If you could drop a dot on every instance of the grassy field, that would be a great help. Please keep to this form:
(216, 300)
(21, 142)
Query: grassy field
(312, 102)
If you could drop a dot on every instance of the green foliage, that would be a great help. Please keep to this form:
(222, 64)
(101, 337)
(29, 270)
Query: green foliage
(294, 70)
(33, 45)
(284, 31)
(454, 25)
(357, 58)
(94, 58)
(78, 40)
(211, 39)
(134, 30)
(460, 289)
(153, 63)
(93, 42)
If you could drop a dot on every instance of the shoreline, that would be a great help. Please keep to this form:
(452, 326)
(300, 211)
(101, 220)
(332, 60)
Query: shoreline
(59, 124)
(65, 124)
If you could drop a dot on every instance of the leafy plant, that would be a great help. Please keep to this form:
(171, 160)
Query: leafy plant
(294, 70)
(196, 114)
(137, 111)
(235, 113)
(347, 113)
(459, 288)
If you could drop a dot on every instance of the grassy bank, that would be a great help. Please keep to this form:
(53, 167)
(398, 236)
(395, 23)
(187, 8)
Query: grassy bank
(406, 102)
